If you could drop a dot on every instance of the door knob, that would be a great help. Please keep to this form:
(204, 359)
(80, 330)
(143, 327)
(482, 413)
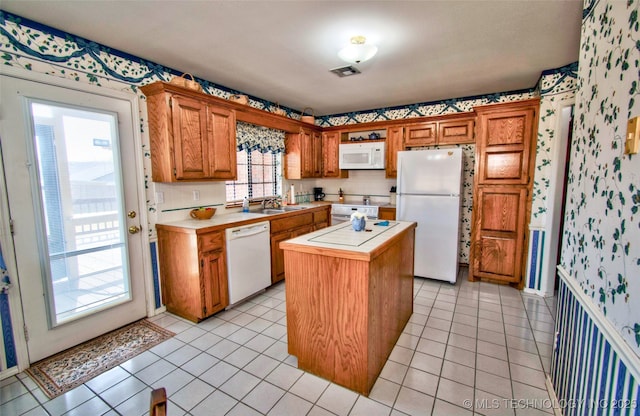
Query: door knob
(134, 229)
(131, 214)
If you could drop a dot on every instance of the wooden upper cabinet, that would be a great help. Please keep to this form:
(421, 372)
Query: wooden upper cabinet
(504, 146)
(331, 156)
(422, 134)
(456, 131)
(307, 153)
(222, 142)
(316, 157)
(191, 137)
(395, 143)
(303, 154)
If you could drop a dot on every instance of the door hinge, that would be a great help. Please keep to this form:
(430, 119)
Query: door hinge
(11, 227)
(204, 311)
(202, 263)
(26, 332)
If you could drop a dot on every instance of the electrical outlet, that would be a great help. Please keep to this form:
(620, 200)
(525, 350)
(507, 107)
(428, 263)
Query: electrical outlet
(196, 195)
(632, 143)
(159, 197)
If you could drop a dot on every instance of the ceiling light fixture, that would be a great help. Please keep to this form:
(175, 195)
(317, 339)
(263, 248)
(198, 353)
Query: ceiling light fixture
(357, 51)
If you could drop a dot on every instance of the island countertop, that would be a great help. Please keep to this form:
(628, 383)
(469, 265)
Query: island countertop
(343, 241)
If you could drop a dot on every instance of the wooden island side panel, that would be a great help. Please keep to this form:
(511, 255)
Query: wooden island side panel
(344, 315)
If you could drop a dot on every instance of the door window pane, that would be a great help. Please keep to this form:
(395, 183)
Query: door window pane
(81, 200)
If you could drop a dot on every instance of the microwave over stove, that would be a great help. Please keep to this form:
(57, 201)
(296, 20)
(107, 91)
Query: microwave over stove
(361, 155)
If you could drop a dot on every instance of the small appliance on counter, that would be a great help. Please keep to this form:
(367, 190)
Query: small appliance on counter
(392, 196)
(318, 195)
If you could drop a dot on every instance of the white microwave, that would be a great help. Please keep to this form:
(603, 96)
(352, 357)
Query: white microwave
(362, 155)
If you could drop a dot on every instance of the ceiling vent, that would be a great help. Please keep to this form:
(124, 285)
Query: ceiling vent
(345, 71)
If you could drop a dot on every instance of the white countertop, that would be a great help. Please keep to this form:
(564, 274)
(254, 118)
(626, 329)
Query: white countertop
(216, 220)
(344, 237)
(226, 219)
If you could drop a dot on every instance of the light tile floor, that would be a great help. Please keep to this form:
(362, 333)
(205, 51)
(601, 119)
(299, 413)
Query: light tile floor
(466, 344)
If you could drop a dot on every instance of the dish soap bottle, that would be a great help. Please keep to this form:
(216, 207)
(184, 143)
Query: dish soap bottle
(245, 204)
(341, 196)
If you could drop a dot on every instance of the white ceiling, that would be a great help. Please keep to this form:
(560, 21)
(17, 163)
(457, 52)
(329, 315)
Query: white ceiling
(282, 51)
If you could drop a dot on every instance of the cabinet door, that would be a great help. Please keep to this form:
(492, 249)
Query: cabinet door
(307, 153)
(499, 232)
(316, 146)
(395, 138)
(292, 156)
(215, 295)
(190, 138)
(302, 230)
(456, 131)
(423, 134)
(221, 131)
(503, 148)
(330, 161)
(277, 256)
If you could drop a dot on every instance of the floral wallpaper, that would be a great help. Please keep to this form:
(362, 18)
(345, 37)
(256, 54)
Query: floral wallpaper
(433, 108)
(602, 224)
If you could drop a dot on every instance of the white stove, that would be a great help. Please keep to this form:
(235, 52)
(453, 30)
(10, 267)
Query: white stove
(342, 212)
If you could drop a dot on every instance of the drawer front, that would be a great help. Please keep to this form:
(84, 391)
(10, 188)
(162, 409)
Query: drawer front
(291, 222)
(210, 241)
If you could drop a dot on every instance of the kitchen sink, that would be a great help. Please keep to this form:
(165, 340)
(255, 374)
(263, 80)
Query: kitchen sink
(272, 211)
(286, 208)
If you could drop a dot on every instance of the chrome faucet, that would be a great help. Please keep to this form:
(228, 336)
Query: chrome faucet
(270, 203)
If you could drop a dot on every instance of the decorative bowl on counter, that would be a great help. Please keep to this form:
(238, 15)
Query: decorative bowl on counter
(202, 213)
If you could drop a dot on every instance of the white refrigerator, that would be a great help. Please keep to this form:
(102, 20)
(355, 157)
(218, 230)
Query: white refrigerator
(428, 192)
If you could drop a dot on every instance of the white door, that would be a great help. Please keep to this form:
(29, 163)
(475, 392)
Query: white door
(72, 191)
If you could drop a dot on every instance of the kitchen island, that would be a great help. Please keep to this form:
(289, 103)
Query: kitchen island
(349, 295)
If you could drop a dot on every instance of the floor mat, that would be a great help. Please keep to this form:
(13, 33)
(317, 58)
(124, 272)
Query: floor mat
(70, 368)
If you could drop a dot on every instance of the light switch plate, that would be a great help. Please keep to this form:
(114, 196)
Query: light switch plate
(632, 143)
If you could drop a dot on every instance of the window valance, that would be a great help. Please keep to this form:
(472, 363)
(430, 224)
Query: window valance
(250, 137)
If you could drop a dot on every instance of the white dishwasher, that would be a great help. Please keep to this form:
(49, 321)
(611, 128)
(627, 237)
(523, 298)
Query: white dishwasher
(248, 260)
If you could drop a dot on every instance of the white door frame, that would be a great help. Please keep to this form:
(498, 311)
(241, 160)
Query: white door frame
(15, 301)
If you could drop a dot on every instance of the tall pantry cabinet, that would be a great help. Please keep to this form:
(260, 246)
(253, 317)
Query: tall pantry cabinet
(505, 155)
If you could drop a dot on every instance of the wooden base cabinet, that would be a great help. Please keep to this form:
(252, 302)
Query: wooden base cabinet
(291, 227)
(505, 156)
(500, 233)
(193, 272)
(387, 213)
